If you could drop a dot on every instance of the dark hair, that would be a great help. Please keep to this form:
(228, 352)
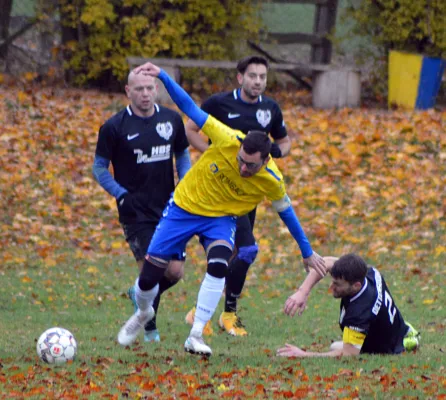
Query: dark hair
(256, 141)
(244, 62)
(350, 267)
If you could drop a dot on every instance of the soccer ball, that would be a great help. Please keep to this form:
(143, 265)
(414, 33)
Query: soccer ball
(56, 346)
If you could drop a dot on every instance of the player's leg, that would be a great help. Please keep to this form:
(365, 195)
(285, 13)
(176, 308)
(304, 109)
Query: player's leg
(235, 279)
(146, 289)
(217, 239)
(138, 237)
(169, 241)
(411, 341)
(173, 274)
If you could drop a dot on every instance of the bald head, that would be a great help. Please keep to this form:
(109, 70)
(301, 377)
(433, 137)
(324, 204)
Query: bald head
(141, 89)
(134, 78)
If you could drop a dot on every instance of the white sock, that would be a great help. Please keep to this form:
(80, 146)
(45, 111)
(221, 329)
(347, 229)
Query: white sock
(208, 297)
(144, 298)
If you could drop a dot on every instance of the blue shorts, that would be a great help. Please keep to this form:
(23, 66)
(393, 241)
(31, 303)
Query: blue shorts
(177, 227)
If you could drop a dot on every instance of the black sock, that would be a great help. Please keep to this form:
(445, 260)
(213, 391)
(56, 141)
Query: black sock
(235, 280)
(164, 285)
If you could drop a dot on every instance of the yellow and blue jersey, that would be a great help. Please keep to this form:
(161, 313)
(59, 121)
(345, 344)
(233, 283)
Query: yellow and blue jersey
(213, 187)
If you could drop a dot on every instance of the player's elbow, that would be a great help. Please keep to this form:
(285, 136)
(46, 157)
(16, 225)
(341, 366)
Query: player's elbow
(282, 205)
(349, 350)
(191, 128)
(95, 172)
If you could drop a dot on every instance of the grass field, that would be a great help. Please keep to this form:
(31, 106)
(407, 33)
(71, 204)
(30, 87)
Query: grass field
(368, 181)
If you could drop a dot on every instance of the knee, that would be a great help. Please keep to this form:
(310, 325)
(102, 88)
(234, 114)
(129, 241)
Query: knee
(248, 253)
(218, 260)
(175, 271)
(152, 271)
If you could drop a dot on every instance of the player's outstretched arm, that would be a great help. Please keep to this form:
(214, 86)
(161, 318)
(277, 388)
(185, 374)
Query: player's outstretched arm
(298, 300)
(289, 217)
(176, 92)
(293, 351)
(329, 262)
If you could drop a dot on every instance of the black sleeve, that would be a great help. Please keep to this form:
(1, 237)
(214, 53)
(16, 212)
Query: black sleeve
(278, 129)
(106, 140)
(181, 143)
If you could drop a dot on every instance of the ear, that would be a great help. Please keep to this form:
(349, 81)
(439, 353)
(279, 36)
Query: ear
(239, 78)
(266, 160)
(127, 90)
(357, 286)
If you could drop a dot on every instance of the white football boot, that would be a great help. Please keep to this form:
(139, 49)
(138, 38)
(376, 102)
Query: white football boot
(134, 325)
(195, 345)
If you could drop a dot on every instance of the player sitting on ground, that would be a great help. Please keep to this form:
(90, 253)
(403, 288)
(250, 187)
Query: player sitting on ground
(369, 320)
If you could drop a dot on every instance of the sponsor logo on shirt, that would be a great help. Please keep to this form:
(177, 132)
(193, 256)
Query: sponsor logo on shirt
(159, 153)
(263, 117)
(214, 168)
(232, 116)
(131, 137)
(227, 181)
(164, 129)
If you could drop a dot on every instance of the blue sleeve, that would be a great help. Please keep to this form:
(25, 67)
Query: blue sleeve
(290, 219)
(183, 162)
(105, 178)
(183, 100)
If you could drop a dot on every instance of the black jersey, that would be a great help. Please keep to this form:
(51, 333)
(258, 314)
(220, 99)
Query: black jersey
(229, 108)
(372, 312)
(141, 151)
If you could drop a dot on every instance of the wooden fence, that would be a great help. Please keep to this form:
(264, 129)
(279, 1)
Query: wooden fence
(324, 23)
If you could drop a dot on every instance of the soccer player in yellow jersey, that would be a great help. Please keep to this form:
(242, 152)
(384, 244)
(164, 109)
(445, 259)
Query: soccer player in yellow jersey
(229, 180)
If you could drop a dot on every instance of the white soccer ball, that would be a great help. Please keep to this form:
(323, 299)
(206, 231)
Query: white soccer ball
(56, 346)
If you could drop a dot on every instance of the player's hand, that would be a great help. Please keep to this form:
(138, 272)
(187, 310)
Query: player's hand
(125, 205)
(296, 303)
(291, 351)
(149, 69)
(316, 262)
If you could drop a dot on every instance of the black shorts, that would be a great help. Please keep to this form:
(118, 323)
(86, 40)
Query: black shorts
(244, 234)
(139, 236)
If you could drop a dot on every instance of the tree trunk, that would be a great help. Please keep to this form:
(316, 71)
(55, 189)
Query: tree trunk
(5, 17)
(68, 34)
